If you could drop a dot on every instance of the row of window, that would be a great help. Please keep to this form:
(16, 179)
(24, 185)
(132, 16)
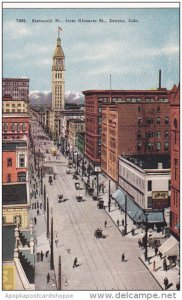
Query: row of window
(21, 177)
(15, 127)
(21, 161)
(151, 121)
(150, 146)
(151, 134)
(16, 220)
(14, 105)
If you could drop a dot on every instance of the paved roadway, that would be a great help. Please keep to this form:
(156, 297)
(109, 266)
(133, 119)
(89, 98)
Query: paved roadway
(100, 266)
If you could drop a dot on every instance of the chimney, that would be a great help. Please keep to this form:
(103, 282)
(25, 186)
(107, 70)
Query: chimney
(160, 166)
(159, 79)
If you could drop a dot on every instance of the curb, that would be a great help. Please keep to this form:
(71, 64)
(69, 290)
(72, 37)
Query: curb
(151, 273)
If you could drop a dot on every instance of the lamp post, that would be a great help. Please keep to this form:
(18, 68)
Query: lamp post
(125, 225)
(97, 184)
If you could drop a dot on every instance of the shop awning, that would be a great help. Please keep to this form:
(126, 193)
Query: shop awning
(170, 247)
(135, 212)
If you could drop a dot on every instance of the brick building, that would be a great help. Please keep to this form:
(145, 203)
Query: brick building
(175, 161)
(15, 161)
(143, 117)
(140, 127)
(15, 125)
(16, 88)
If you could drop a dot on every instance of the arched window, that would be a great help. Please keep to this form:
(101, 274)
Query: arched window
(5, 127)
(18, 127)
(23, 127)
(166, 146)
(13, 126)
(21, 177)
(139, 146)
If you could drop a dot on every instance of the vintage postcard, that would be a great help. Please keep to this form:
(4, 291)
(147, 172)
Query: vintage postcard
(90, 150)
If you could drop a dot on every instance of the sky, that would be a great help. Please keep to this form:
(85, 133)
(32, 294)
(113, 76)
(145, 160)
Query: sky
(132, 52)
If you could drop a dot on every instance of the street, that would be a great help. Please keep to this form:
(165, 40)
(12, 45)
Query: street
(99, 265)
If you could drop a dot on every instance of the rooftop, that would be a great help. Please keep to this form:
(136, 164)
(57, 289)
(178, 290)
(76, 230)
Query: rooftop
(161, 91)
(8, 245)
(13, 194)
(150, 161)
(77, 121)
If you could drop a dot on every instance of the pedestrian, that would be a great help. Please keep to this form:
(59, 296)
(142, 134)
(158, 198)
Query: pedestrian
(156, 251)
(41, 256)
(164, 264)
(103, 188)
(178, 286)
(105, 223)
(47, 253)
(41, 205)
(154, 266)
(35, 220)
(56, 241)
(117, 222)
(48, 277)
(122, 222)
(166, 282)
(139, 243)
(123, 257)
(75, 262)
(133, 231)
(38, 256)
(37, 212)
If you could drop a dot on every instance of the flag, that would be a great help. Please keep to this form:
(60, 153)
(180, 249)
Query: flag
(60, 28)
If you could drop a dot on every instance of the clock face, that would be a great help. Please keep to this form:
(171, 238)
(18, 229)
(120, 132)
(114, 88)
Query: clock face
(59, 62)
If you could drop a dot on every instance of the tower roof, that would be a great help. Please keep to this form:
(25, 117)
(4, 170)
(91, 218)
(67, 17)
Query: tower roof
(58, 52)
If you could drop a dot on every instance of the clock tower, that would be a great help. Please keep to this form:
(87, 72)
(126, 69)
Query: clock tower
(58, 69)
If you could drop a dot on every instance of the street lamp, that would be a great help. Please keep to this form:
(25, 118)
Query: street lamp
(59, 274)
(47, 217)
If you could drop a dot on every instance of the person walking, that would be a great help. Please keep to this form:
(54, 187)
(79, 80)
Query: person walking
(41, 256)
(156, 251)
(117, 222)
(35, 220)
(37, 212)
(122, 222)
(56, 241)
(164, 264)
(123, 257)
(48, 277)
(154, 266)
(75, 262)
(166, 282)
(105, 223)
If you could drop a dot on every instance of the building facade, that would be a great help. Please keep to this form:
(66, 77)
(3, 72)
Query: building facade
(140, 126)
(15, 161)
(175, 162)
(96, 120)
(75, 126)
(15, 126)
(16, 88)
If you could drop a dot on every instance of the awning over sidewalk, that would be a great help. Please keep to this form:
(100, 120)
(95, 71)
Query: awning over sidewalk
(135, 212)
(170, 247)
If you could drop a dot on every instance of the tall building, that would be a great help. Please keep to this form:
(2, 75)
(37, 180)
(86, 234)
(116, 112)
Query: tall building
(175, 162)
(58, 89)
(143, 108)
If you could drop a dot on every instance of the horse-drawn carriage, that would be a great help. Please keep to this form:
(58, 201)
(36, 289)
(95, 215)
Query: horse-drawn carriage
(60, 198)
(98, 233)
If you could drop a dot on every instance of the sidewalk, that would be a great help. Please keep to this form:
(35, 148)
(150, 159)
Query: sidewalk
(42, 268)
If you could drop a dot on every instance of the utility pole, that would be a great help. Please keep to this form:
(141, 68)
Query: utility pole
(109, 200)
(59, 274)
(146, 236)
(97, 184)
(77, 161)
(52, 247)
(82, 165)
(47, 217)
(125, 225)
